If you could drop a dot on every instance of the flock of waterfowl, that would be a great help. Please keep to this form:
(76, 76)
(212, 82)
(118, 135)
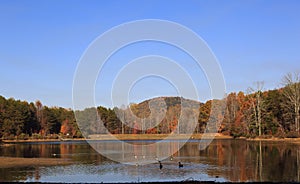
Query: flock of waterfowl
(180, 165)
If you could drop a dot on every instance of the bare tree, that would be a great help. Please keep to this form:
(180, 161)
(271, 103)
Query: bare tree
(292, 94)
(123, 120)
(40, 114)
(257, 104)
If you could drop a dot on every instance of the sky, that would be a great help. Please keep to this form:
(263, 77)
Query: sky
(42, 42)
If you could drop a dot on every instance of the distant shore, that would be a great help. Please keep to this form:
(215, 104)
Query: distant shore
(107, 137)
(275, 139)
(129, 137)
(40, 140)
(158, 136)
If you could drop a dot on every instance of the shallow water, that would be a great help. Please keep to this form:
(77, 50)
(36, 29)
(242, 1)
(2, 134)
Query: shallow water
(222, 160)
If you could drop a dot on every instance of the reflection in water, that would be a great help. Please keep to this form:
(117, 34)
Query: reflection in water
(222, 160)
(137, 152)
(254, 161)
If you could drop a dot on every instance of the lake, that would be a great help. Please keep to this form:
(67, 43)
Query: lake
(222, 160)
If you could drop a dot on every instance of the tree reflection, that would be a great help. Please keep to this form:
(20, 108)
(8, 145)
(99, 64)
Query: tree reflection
(234, 160)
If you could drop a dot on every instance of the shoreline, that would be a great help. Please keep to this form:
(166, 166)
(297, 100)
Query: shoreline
(129, 137)
(275, 139)
(40, 140)
(158, 137)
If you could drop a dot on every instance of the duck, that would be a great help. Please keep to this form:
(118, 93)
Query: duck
(160, 165)
(180, 164)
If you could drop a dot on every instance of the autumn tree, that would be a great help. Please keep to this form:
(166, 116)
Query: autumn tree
(257, 104)
(243, 116)
(31, 124)
(291, 92)
(52, 119)
(2, 113)
(204, 114)
(231, 112)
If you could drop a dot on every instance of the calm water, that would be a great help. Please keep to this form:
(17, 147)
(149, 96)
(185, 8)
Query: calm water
(222, 160)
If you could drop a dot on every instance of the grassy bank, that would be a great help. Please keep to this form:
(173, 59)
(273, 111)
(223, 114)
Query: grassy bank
(130, 137)
(275, 139)
(156, 137)
(41, 140)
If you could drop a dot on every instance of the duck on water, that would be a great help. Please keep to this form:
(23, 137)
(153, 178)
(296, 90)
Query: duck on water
(180, 165)
(160, 165)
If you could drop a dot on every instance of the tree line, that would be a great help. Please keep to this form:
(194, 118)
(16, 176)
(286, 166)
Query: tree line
(251, 114)
(20, 119)
(264, 113)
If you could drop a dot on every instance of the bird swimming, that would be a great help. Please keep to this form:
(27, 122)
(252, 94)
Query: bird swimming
(160, 165)
(180, 164)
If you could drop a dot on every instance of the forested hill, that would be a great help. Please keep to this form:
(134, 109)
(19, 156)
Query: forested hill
(20, 119)
(155, 116)
(259, 113)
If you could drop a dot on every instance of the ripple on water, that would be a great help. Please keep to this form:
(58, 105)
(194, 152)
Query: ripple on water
(116, 172)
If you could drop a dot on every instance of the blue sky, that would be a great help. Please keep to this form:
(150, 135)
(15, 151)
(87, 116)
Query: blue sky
(41, 43)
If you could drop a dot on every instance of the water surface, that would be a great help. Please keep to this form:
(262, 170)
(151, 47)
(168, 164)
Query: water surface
(222, 160)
